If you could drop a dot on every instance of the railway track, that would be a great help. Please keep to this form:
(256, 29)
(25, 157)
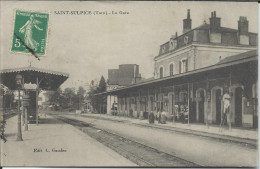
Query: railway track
(7, 116)
(250, 143)
(138, 153)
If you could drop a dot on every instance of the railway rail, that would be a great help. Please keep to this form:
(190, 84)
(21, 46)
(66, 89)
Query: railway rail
(250, 143)
(136, 152)
(7, 116)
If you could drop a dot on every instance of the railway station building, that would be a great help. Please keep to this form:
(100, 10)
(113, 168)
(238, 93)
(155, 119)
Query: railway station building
(193, 70)
(125, 75)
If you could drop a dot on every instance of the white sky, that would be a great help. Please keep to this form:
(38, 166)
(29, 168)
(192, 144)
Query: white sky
(87, 46)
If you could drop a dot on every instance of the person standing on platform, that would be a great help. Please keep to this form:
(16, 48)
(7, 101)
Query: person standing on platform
(163, 117)
(159, 116)
(226, 113)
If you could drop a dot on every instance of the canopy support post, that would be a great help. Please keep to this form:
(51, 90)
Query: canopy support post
(37, 93)
(188, 104)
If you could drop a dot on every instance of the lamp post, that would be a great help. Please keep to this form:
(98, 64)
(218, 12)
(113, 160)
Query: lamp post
(19, 82)
(26, 101)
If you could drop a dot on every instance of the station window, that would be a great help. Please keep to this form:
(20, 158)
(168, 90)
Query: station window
(183, 65)
(161, 72)
(183, 96)
(171, 69)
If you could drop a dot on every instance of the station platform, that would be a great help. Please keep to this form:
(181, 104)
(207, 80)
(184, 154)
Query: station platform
(235, 134)
(54, 143)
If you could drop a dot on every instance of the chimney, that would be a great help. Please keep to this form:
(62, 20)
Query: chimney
(174, 36)
(214, 22)
(187, 23)
(243, 37)
(242, 25)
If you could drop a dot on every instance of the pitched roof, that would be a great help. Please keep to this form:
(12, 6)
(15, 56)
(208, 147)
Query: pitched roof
(145, 80)
(229, 61)
(35, 69)
(240, 56)
(48, 79)
(207, 27)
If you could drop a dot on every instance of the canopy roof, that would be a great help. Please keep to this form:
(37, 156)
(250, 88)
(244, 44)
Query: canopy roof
(48, 80)
(224, 64)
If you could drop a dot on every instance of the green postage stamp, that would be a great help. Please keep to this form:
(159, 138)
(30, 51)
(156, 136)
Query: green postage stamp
(30, 32)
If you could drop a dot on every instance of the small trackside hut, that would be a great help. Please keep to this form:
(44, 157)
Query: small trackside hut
(42, 79)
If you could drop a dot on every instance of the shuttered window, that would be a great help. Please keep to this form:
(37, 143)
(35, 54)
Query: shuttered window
(183, 66)
(171, 69)
(180, 67)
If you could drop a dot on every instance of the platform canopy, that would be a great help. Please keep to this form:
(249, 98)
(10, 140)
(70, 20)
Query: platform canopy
(47, 79)
(247, 61)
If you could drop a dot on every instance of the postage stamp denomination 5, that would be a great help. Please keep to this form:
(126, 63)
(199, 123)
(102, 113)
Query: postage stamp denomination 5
(30, 32)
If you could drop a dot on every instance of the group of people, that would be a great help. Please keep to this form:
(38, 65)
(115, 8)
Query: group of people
(161, 115)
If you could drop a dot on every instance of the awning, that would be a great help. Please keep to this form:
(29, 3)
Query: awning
(229, 61)
(48, 80)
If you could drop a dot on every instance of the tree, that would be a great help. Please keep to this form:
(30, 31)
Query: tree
(70, 98)
(92, 98)
(97, 101)
(102, 84)
(80, 96)
(102, 87)
(56, 98)
(6, 98)
(64, 99)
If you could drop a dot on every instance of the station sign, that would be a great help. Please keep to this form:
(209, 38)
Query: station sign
(30, 86)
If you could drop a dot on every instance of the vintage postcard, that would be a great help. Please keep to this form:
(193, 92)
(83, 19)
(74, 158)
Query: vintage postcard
(129, 84)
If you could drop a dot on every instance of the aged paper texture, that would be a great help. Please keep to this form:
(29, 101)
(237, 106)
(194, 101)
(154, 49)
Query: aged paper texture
(129, 84)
